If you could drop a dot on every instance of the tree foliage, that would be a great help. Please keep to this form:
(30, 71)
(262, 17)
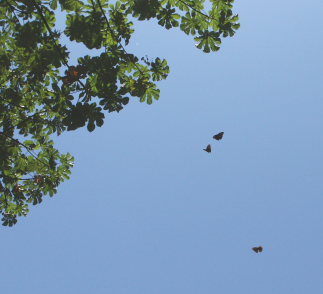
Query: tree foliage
(43, 95)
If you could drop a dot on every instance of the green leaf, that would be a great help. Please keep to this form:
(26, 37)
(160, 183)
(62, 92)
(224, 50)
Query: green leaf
(53, 4)
(90, 126)
(70, 5)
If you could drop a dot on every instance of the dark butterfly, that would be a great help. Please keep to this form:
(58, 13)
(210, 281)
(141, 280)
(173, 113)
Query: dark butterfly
(208, 148)
(257, 249)
(218, 136)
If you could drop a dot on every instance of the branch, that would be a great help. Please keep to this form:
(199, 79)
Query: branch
(49, 30)
(112, 33)
(12, 8)
(26, 119)
(196, 10)
(53, 39)
(26, 147)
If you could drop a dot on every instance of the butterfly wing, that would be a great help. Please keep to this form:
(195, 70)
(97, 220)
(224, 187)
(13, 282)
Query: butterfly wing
(218, 136)
(255, 249)
(260, 249)
(208, 148)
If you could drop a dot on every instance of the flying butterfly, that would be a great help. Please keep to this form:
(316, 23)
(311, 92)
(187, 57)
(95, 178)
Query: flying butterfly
(208, 148)
(257, 249)
(218, 136)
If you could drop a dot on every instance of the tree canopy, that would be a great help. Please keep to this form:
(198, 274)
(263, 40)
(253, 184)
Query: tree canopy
(43, 95)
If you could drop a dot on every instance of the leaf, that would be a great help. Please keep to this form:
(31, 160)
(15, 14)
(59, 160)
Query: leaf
(208, 41)
(90, 126)
(150, 94)
(53, 4)
(70, 5)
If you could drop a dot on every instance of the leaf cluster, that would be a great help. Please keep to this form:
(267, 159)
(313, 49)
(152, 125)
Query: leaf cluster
(43, 95)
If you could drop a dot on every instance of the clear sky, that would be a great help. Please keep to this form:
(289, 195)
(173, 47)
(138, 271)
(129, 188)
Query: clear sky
(147, 211)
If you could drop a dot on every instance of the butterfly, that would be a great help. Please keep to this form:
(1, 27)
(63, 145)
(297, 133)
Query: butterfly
(208, 148)
(257, 249)
(218, 136)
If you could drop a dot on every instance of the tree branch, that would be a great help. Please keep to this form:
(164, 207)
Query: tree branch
(113, 35)
(26, 147)
(196, 10)
(53, 39)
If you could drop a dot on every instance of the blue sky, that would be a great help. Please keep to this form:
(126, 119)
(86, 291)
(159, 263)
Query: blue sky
(148, 211)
